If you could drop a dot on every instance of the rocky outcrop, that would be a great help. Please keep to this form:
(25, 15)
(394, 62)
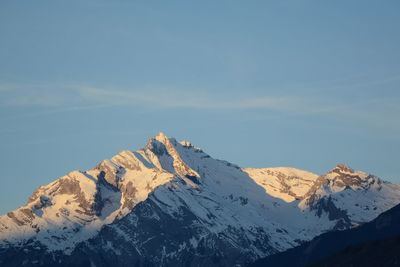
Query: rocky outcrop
(171, 204)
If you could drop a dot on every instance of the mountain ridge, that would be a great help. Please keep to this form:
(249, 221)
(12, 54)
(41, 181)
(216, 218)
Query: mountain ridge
(339, 247)
(246, 213)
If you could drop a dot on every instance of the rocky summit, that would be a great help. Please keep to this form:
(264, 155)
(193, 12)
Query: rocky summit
(172, 204)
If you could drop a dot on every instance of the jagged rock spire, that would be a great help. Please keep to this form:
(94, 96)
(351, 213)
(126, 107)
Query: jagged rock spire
(341, 167)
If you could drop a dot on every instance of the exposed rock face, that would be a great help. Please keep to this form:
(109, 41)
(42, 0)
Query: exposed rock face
(343, 176)
(76, 206)
(168, 157)
(289, 184)
(171, 204)
(326, 206)
(376, 243)
(349, 196)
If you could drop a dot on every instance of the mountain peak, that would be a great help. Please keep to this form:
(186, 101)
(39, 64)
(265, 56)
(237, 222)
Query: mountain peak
(161, 137)
(159, 144)
(161, 140)
(342, 176)
(342, 168)
(186, 143)
(164, 153)
(132, 206)
(342, 171)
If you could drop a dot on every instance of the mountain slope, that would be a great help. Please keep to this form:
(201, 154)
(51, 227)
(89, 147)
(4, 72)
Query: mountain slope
(386, 227)
(353, 196)
(288, 184)
(171, 204)
(384, 252)
(75, 207)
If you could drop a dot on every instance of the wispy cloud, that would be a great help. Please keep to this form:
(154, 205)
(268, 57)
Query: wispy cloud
(377, 112)
(172, 98)
(77, 97)
(81, 97)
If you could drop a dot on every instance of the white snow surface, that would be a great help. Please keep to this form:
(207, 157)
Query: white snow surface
(278, 200)
(283, 182)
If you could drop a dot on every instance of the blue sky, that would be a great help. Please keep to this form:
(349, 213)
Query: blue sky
(260, 83)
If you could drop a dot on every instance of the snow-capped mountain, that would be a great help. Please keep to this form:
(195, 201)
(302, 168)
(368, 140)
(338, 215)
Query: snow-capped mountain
(376, 243)
(288, 184)
(351, 197)
(171, 204)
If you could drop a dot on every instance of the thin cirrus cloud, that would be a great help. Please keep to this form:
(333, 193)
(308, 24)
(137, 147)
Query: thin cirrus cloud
(374, 114)
(172, 98)
(81, 96)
